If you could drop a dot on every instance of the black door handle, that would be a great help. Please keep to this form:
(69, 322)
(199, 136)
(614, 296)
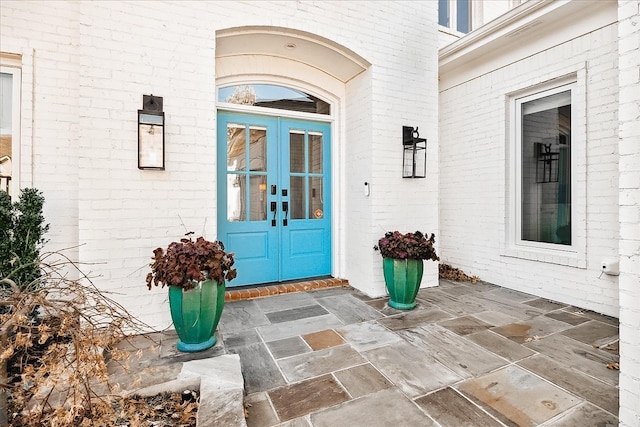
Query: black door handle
(274, 209)
(285, 208)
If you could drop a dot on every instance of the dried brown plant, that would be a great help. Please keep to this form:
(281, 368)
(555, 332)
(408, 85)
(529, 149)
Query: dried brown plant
(53, 338)
(451, 273)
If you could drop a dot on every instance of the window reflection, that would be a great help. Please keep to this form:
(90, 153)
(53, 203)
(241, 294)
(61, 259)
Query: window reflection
(238, 173)
(546, 169)
(273, 96)
(6, 140)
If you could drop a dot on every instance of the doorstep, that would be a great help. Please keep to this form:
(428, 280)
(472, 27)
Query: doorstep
(282, 288)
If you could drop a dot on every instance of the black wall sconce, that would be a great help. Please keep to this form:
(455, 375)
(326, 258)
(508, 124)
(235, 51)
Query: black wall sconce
(151, 133)
(414, 160)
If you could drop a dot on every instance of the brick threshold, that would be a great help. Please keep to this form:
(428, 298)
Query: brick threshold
(283, 288)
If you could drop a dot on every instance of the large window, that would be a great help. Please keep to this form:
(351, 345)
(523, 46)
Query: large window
(543, 168)
(9, 129)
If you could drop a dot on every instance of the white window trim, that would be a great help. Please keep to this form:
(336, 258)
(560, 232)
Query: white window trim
(571, 255)
(16, 101)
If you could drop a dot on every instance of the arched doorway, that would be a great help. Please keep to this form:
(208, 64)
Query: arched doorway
(277, 207)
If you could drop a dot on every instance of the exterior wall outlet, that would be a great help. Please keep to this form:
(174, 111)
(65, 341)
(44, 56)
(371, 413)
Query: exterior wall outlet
(611, 266)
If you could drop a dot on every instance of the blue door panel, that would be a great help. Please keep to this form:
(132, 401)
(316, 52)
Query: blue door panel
(307, 242)
(255, 246)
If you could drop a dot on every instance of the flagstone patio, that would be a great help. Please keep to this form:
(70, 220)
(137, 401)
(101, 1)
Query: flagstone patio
(467, 355)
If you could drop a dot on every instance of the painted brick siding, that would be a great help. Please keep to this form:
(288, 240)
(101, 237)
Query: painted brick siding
(629, 200)
(474, 190)
(46, 35)
(118, 51)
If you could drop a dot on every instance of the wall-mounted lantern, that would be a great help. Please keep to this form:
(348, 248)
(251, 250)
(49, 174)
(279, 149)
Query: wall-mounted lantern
(151, 133)
(414, 161)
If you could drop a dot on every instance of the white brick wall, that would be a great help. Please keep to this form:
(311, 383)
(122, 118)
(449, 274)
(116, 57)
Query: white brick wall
(629, 217)
(46, 35)
(475, 190)
(93, 67)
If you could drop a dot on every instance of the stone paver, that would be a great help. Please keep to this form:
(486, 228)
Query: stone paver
(410, 369)
(594, 333)
(545, 304)
(382, 409)
(591, 389)
(532, 329)
(501, 346)
(319, 362)
(565, 316)
(259, 411)
(293, 328)
(586, 415)
(459, 355)
(361, 380)
(308, 396)
(323, 339)
(288, 347)
(413, 318)
(285, 301)
(293, 314)
(516, 396)
(368, 335)
(582, 357)
(349, 309)
(449, 408)
(259, 369)
(465, 325)
(240, 316)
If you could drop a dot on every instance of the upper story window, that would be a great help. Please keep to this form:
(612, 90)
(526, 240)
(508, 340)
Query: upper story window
(273, 96)
(455, 14)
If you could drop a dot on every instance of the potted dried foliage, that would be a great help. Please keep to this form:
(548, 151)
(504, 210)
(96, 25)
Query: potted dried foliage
(195, 272)
(402, 263)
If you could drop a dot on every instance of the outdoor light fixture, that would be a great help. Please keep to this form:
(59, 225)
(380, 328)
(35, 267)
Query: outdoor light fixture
(151, 133)
(414, 161)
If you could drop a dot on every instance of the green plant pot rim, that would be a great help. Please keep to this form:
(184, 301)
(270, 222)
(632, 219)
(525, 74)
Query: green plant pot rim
(193, 348)
(401, 306)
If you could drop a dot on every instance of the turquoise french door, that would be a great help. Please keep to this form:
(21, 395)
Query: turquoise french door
(274, 196)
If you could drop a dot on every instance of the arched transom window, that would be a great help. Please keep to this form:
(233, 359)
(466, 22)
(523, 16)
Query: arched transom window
(273, 96)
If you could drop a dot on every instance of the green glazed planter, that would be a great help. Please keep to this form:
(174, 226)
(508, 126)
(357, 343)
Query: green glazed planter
(196, 313)
(402, 277)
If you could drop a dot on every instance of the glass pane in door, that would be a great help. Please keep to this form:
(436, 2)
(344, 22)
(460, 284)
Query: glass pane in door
(296, 152)
(316, 201)
(258, 194)
(236, 143)
(257, 149)
(236, 197)
(315, 152)
(297, 198)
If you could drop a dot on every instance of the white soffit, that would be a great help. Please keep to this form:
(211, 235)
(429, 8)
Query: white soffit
(306, 48)
(532, 27)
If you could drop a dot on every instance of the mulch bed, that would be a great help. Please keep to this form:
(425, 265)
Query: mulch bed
(161, 410)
